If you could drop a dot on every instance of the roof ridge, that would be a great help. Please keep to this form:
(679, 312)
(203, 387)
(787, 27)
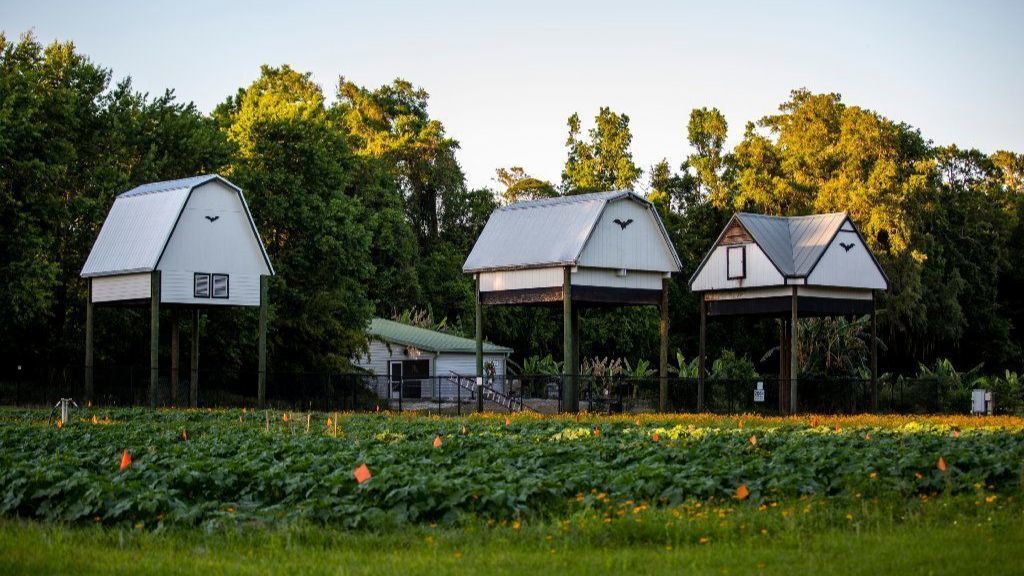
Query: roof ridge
(168, 185)
(571, 199)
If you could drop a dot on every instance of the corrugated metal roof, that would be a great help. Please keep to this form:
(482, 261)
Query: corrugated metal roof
(430, 340)
(140, 223)
(793, 243)
(546, 232)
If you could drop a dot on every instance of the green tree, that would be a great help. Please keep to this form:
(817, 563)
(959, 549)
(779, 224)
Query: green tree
(603, 161)
(520, 186)
(297, 170)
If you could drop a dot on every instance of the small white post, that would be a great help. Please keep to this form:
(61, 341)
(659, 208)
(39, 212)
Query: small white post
(64, 406)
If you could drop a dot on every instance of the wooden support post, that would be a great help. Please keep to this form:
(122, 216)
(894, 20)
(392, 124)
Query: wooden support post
(89, 388)
(794, 353)
(576, 350)
(874, 356)
(701, 361)
(154, 338)
(175, 356)
(570, 398)
(782, 363)
(262, 384)
(663, 349)
(479, 348)
(193, 387)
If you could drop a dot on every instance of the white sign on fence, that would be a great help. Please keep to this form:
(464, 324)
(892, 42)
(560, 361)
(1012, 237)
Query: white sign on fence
(759, 392)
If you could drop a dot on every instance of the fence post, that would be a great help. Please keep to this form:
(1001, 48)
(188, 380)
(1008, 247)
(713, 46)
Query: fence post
(458, 397)
(401, 392)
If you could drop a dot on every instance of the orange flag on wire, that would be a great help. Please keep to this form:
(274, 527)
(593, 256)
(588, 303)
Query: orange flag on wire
(60, 424)
(126, 460)
(742, 492)
(184, 436)
(753, 440)
(95, 420)
(867, 436)
(597, 430)
(814, 422)
(437, 441)
(655, 437)
(941, 464)
(506, 422)
(328, 421)
(362, 474)
(284, 417)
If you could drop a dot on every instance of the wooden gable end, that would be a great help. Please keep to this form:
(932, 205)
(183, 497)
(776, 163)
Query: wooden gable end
(734, 234)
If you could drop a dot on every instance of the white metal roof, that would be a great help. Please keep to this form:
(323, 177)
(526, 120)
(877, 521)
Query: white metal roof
(140, 223)
(546, 232)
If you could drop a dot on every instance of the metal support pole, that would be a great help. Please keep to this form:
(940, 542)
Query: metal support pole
(154, 338)
(89, 387)
(783, 364)
(175, 356)
(570, 400)
(479, 349)
(262, 383)
(794, 353)
(193, 385)
(663, 349)
(701, 360)
(874, 356)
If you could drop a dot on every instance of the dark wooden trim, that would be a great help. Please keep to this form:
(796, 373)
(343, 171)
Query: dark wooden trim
(609, 295)
(728, 262)
(526, 296)
(779, 306)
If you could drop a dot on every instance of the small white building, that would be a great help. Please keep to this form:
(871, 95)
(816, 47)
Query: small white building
(603, 249)
(186, 244)
(788, 268)
(427, 362)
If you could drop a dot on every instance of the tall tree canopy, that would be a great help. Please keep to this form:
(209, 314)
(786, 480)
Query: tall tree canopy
(602, 161)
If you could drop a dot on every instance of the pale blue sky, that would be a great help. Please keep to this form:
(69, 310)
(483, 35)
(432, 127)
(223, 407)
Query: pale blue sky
(504, 78)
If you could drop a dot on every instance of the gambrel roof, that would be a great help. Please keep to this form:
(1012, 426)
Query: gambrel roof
(548, 232)
(140, 223)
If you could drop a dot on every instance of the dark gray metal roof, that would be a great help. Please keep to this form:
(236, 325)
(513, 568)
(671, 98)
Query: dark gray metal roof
(546, 232)
(140, 223)
(793, 243)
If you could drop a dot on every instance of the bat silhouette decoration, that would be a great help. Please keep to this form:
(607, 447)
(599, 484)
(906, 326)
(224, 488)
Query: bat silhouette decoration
(847, 246)
(214, 219)
(623, 224)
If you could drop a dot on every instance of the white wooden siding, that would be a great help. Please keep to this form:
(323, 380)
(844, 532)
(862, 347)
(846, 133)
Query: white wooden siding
(638, 246)
(123, 287)
(520, 279)
(604, 277)
(226, 245)
(760, 271)
(770, 292)
(852, 268)
(377, 360)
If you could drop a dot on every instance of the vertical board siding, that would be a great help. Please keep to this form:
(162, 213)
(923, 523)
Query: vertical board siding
(123, 287)
(441, 366)
(605, 277)
(849, 268)
(213, 235)
(760, 271)
(638, 246)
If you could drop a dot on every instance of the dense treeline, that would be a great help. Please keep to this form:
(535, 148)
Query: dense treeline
(365, 210)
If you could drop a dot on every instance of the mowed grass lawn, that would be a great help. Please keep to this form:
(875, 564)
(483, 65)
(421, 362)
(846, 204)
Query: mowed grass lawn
(236, 492)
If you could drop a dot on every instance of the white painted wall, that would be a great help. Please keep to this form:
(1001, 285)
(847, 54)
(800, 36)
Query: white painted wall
(638, 246)
(760, 271)
(520, 279)
(841, 267)
(123, 287)
(378, 359)
(224, 246)
(606, 277)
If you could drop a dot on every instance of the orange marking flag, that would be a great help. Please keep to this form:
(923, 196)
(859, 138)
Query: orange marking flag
(437, 441)
(655, 437)
(742, 492)
(941, 464)
(126, 460)
(753, 440)
(362, 474)
(184, 436)
(506, 422)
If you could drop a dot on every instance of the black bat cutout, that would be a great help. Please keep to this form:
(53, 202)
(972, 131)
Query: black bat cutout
(212, 218)
(847, 246)
(623, 224)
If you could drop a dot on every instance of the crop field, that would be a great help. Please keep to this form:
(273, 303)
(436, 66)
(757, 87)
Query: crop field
(379, 493)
